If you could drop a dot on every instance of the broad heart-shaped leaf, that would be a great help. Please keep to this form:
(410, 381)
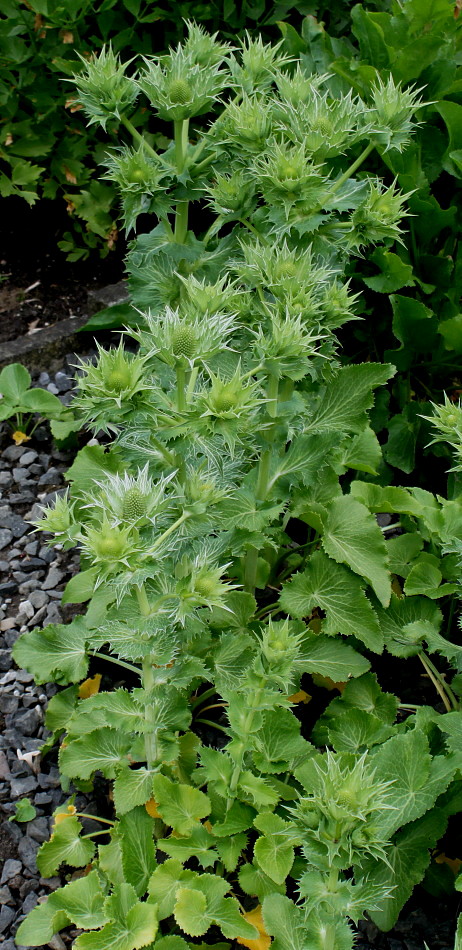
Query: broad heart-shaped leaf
(180, 806)
(40, 400)
(65, 847)
(425, 578)
(275, 856)
(394, 273)
(132, 787)
(241, 607)
(339, 594)
(80, 902)
(386, 499)
(60, 709)
(104, 749)
(80, 587)
(132, 924)
(278, 743)
(94, 463)
(307, 454)
(55, 653)
(195, 916)
(138, 851)
(164, 883)
(408, 859)
(343, 402)
(14, 381)
(172, 943)
(400, 615)
(418, 779)
(200, 844)
(353, 537)
(332, 658)
(255, 882)
(357, 731)
(361, 695)
(284, 921)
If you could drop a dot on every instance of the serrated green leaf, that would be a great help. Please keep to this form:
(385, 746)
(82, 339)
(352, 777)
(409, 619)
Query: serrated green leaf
(278, 743)
(339, 593)
(332, 658)
(132, 924)
(110, 859)
(190, 911)
(284, 921)
(362, 452)
(60, 709)
(425, 578)
(418, 779)
(388, 499)
(403, 612)
(307, 455)
(352, 536)
(230, 850)
(256, 883)
(239, 818)
(138, 851)
(15, 379)
(131, 787)
(93, 463)
(81, 902)
(357, 731)
(257, 790)
(343, 403)
(181, 806)
(65, 847)
(104, 749)
(55, 653)
(394, 273)
(164, 883)
(200, 844)
(275, 856)
(217, 768)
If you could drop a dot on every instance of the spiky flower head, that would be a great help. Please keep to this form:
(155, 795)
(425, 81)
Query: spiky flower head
(58, 519)
(325, 126)
(202, 488)
(285, 173)
(391, 114)
(108, 389)
(111, 547)
(340, 815)
(178, 87)
(281, 645)
(129, 499)
(337, 304)
(187, 340)
(258, 64)
(245, 125)
(104, 91)
(232, 195)
(378, 217)
(447, 427)
(285, 346)
(134, 170)
(202, 298)
(199, 585)
(202, 48)
(228, 407)
(297, 87)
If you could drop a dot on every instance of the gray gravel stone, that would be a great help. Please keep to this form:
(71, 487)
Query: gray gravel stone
(5, 895)
(13, 452)
(27, 721)
(28, 457)
(29, 903)
(5, 660)
(7, 915)
(38, 830)
(20, 475)
(8, 703)
(63, 383)
(15, 523)
(27, 850)
(38, 599)
(10, 869)
(53, 578)
(5, 537)
(5, 479)
(23, 786)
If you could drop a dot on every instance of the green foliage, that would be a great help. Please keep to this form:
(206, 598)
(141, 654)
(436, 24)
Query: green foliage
(20, 402)
(231, 559)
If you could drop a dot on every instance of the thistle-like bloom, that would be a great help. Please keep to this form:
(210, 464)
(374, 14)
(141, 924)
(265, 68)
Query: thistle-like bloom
(229, 408)
(111, 548)
(391, 115)
(201, 298)
(130, 499)
(285, 347)
(246, 125)
(447, 427)
(298, 87)
(191, 339)
(202, 489)
(203, 48)
(179, 88)
(232, 196)
(324, 126)
(104, 91)
(281, 645)
(134, 170)
(259, 64)
(337, 304)
(200, 585)
(378, 217)
(340, 816)
(107, 390)
(58, 519)
(285, 173)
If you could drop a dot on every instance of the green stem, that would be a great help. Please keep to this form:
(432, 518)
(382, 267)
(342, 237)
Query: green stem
(191, 384)
(103, 821)
(143, 602)
(180, 387)
(264, 465)
(112, 659)
(246, 731)
(214, 725)
(250, 226)
(207, 694)
(163, 537)
(150, 739)
(139, 137)
(181, 130)
(346, 175)
(439, 683)
(93, 834)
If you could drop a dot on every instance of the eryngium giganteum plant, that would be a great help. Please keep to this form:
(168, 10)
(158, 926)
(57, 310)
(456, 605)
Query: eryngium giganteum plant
(231, 556)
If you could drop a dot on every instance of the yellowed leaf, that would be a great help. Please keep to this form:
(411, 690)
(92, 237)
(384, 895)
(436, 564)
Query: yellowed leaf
(151, 808)
(300, 697)
(9, 139)
(20, 437)
(69, 175)
(66, 36)
(264, 940)
(58, 819)
(90, 686)
(453, 863)
(327, 683)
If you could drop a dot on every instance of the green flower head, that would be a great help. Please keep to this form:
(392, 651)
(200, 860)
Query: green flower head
(104, 91)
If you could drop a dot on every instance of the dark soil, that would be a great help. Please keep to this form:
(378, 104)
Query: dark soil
(38, 287)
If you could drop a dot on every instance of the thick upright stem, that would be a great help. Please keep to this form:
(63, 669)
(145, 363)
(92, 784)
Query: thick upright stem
(346, 175)
(264, 467)
(246, 731)
(181, 129)
(180, 387)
